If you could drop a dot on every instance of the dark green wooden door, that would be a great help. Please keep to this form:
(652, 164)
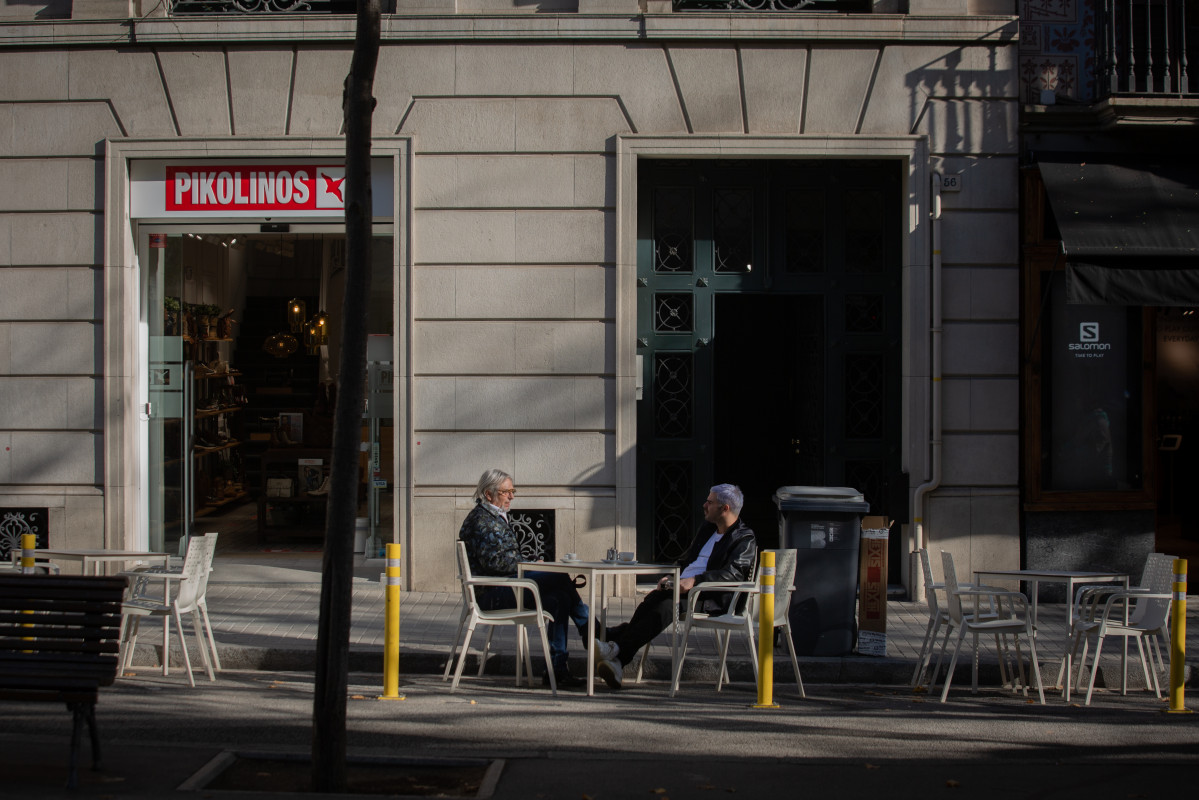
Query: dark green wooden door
(768, 319)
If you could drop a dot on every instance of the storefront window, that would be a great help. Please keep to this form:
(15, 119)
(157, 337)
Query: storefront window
(1091, 396)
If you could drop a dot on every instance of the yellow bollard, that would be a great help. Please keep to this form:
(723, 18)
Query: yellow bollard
(1178, 637)
(28, 545)
(391, 627)
(766, 633)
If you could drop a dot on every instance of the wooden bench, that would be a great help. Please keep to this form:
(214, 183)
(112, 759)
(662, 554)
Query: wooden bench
(60, 642)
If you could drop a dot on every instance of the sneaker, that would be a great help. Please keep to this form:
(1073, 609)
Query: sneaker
(611, 671)
(606, 651)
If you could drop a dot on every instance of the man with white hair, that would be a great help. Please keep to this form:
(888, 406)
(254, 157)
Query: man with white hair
(491, 549)
(725, 549)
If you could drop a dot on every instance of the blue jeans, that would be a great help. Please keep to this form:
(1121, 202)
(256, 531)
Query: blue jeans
(559, 598)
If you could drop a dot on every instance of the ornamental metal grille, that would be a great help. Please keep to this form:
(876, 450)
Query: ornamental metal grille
(534, 529)
(732, 229)
(674, 232)
(772, 5)
(865, 239)
(673, 313)
(864, 313)
(864, 393)
(672, 392)
(197, 7)
(672, 510)
(804, 230)
(867, 477)
(15, 522)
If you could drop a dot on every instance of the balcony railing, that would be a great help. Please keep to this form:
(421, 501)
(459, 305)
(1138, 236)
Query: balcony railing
(1149, 47)
(199, 7)
(841, 6)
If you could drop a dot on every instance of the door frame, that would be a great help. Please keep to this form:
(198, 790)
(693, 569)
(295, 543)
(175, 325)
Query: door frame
(122, 370)
(916, 255)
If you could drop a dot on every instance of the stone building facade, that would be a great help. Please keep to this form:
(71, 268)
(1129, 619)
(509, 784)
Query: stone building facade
(528, 163)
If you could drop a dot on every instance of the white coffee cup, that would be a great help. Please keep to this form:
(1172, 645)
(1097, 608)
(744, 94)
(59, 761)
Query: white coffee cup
(571, 557)
(625, 556)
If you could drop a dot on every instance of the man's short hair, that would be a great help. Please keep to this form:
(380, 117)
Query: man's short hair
(729, 495)
(489, 483)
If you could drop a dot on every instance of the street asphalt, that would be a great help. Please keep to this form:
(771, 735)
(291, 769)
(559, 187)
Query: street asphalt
(862, 732)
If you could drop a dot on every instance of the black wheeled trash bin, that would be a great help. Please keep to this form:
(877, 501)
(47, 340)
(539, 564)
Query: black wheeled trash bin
(824, 525)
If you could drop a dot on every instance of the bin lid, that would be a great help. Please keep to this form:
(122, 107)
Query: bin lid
(820, 498)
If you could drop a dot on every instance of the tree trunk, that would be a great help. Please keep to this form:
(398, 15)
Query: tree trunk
(333, 633)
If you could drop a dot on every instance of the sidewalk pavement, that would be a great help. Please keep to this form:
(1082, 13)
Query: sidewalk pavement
(264, 610)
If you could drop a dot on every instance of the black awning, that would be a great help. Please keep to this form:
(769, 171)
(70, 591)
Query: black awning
(1129, 228)
(1127, 209)
(1098, 285)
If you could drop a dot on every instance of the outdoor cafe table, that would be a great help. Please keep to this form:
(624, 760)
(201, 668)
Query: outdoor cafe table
(1038, 576)
(601, 571)
(94, 558)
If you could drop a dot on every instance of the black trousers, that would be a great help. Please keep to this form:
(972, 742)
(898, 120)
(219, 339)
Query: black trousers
(652, 616)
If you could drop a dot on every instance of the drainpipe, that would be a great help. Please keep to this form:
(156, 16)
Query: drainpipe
(919, 534)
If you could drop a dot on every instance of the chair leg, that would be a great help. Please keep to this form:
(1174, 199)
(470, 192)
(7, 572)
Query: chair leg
(486, 652)
(723, 641)
(678, 670)
(198, 627)
(187, 662)
(953, 662)
(216, 658)
(932, 682)
(1094, 668)
(166, 644)
(925, 650)
(545, 650)
(1036, 667)
(470, 630)
(786, 627)
(449, 662)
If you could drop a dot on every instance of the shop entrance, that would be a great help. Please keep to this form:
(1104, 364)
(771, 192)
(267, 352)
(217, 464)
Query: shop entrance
(1178, 430)
(238, 354)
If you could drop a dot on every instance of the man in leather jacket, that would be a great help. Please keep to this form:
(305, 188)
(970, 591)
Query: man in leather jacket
(724, 549)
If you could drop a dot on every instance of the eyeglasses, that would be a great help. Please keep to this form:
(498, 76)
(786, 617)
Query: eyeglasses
(509, 492)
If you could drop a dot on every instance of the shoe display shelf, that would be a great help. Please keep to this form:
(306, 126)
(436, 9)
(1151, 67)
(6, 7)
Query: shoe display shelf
(217, 439)
(285, 506)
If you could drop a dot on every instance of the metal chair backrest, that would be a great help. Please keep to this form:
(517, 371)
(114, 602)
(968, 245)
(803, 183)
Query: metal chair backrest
(464, 575)
(951, 588)
(1153, 613)
(930, 584)
(784, 582)
(196, 565)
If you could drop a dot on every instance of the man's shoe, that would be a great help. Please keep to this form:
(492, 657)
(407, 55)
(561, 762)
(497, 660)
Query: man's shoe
(606, 651)
(564, 679)
(611, 671)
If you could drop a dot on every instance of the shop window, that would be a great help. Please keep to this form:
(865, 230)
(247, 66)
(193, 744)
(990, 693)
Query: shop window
(1085, 393)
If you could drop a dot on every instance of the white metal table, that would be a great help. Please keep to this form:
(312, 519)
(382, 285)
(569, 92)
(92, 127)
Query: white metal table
(602, 570)
(1036, 577)
(94, 558)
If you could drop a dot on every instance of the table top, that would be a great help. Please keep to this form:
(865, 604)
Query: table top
(1050, 574)
(598, 565)
(110, 555)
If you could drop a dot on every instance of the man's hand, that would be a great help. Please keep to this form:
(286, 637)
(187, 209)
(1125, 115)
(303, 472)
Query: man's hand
(685, 585)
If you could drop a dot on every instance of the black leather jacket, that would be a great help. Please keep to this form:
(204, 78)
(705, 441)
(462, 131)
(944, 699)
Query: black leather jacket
(733, 559)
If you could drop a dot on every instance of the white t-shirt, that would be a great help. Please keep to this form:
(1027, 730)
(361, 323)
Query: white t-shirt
(700, 565)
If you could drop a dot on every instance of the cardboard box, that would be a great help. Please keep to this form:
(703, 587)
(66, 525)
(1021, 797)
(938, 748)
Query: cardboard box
(872, 587)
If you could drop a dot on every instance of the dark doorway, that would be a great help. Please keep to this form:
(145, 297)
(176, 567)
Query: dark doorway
(769, 399)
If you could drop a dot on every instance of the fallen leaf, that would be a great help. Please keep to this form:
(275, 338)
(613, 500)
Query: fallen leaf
(952, 784)
(920, 690)
(472, 702)
(659, 791)
(872, 766)
(357, 697)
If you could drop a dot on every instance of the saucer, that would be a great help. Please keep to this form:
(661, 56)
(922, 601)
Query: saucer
(618, 561)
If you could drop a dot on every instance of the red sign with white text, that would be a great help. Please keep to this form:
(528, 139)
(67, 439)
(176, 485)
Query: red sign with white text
(300, 187)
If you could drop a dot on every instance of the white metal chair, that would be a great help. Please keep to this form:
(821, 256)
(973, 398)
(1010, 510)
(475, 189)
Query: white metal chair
(142, 576)
(744, 620)
(1141, 613)
(938, 617)
(1016, 624)
(518, 617)
(196, 565)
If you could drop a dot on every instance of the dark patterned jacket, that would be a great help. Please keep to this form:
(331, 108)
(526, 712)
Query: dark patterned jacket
(491, 545)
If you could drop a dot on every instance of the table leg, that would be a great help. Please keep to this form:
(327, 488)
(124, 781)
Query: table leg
(674, 628)
(591, 635)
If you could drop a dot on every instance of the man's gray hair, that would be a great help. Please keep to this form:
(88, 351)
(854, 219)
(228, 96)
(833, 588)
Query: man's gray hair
(729, 495)
(490, 481)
